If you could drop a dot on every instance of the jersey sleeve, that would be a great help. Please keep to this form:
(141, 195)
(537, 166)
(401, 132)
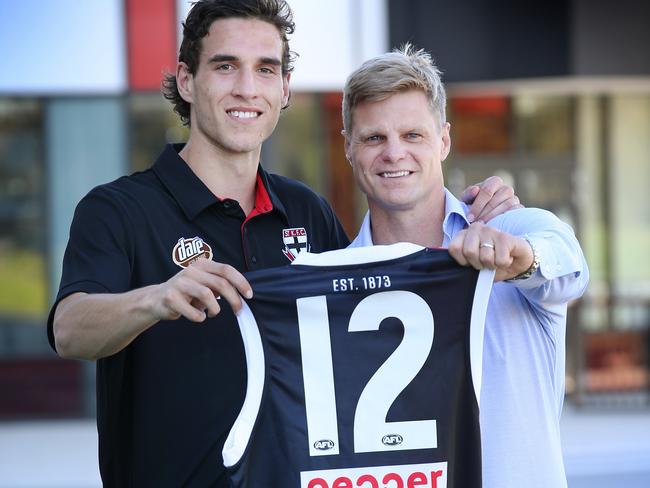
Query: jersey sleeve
(98, 256)
(563, 274)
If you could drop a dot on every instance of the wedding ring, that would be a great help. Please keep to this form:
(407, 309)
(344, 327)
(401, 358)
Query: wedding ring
(487, 244)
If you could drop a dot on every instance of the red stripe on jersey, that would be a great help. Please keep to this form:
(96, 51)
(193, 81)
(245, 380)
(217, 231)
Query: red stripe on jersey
(262, 200)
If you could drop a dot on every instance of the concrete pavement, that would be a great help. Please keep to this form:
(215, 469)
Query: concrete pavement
(603, 449)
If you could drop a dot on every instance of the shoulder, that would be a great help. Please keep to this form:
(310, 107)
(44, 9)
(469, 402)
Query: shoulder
(126, 187)
(121, 203)
(124, 192)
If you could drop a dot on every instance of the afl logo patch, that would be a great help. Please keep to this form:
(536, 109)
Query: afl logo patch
(324, 445)
(186, 251)
(392, 440)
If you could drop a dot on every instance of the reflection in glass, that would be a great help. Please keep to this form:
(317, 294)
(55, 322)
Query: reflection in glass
(543, 124)
(152, 124)
(23, 288)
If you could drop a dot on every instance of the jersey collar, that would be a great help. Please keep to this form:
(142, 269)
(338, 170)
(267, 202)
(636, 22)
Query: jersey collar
(191, 193)
(265, 192)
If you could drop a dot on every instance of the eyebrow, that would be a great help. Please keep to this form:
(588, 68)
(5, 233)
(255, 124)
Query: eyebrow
(380, 131)
(220, 58)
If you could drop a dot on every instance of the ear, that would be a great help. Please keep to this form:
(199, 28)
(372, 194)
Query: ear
(445, 136)
(286, 91)
(184, 82)
(346, 145)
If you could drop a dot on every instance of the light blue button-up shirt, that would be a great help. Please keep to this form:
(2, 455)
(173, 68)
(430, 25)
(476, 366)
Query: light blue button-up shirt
(524, 349)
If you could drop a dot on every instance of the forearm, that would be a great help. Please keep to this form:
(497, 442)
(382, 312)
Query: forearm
(93, 326)
(563, 273)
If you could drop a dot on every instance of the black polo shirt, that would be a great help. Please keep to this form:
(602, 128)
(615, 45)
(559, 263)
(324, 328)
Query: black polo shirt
(166, 402)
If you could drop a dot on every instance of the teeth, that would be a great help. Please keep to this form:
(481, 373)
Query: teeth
(395, 174)
(243, 115)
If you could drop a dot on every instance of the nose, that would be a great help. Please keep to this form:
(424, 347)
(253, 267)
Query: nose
(245, 85)
(394, 150)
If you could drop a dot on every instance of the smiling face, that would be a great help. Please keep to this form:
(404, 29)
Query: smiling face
(396, 147)
(238, 89)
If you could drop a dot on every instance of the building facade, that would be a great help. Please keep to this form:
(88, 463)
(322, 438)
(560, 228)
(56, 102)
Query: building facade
(555, 100)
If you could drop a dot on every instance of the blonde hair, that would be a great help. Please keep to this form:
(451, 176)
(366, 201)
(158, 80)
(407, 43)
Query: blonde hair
(395, 72)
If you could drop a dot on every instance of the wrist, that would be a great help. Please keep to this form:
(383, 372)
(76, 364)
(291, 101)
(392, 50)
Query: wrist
(146, 305)
(534, 265)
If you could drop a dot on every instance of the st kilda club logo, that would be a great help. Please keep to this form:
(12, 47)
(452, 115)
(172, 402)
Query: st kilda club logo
(186, 251)
(295, 242)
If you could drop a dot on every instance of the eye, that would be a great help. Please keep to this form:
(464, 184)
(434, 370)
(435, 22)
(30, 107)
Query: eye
(374, 139)
(267, 71)
(413, 136)
(224, 67)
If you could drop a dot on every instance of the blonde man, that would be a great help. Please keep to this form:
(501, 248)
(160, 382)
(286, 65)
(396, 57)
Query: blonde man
(396, 139)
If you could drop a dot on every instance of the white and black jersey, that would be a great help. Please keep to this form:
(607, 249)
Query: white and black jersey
(362, 374)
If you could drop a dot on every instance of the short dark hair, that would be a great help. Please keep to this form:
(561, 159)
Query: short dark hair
(197, 25)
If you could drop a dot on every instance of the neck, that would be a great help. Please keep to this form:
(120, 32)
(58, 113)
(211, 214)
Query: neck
(227, 175)
(421, 225)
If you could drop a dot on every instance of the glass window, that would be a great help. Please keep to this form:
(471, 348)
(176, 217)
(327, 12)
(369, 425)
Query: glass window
(527, 140)
(297, 148)
(543, 124)
(307, 145)
(616, 315)
(23, 289)
(480, 125)
(33, 383)
(152, 124)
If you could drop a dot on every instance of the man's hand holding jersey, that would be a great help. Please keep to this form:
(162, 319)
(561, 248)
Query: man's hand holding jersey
(481, 246)
(96, 325)
(193, 292)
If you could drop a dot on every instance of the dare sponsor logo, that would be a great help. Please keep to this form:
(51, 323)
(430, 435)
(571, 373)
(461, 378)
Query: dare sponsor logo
(430, 475)
(186, 251)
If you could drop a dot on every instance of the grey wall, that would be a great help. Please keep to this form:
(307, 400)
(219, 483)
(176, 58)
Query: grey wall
(484, 40)
(475, 40)
(611, 38)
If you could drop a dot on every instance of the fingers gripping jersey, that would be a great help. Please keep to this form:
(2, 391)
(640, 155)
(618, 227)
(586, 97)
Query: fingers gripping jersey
(363, 374)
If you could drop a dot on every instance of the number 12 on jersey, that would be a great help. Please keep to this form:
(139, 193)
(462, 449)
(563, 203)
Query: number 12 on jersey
(372, 432)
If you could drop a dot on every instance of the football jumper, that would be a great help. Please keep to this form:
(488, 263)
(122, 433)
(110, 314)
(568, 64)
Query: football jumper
(364, 368)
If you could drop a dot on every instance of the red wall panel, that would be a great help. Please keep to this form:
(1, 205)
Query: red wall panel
(151, 41)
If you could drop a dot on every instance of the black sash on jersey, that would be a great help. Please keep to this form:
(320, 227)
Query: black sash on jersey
(360, 375)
